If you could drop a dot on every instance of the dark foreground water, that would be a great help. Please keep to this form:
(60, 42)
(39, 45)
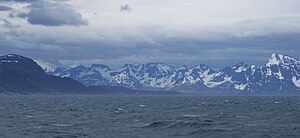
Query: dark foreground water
(149, 116)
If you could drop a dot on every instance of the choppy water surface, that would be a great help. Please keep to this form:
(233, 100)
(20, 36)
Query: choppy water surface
(149, 116)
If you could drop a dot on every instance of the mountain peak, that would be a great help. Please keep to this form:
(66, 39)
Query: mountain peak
(155, 64)
(240, 67)
(14, 62)
(99, 66)
(275, 54)
(201, 67)
(14, 59)
(13, 55)
(11, 58)
(277, 58)
(80, 67)
(241, 64)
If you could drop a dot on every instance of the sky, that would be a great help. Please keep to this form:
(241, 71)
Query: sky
(217, 33)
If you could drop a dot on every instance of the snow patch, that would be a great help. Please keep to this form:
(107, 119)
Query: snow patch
(240, 69)
(252, 69)
(240, 86)
(296, 81)
(8, 61)
(120, 77)
(211, 84)
(279, 76)
(66, 75)
(273, 60)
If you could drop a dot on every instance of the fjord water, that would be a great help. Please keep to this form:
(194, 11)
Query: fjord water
(149, 116)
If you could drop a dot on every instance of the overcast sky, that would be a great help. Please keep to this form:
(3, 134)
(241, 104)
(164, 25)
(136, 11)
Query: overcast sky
(114, 32)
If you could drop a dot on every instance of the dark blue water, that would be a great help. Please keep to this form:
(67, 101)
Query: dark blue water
(149, 116)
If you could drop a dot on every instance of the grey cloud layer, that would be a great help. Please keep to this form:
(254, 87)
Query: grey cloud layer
(158, 32)
(54, 14)
(253, 50)
(50, 13)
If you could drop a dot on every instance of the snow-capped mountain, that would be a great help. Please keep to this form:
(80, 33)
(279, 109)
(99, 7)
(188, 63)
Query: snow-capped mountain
(22, 76)
(281, 73)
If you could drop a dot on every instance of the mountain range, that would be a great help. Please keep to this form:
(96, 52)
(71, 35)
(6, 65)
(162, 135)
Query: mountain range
(280, 74)
(21, 75)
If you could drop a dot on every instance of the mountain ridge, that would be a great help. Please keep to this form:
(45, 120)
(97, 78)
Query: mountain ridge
(281, 73)
(21, 75)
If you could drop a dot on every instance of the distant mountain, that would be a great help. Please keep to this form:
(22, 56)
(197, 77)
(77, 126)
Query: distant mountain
(21, 75)
(281, 74)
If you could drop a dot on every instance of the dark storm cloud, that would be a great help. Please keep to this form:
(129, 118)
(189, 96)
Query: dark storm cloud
(54, 14)
(5, 8)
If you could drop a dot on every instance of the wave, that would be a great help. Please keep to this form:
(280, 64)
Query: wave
(179, 124)
(157, 124)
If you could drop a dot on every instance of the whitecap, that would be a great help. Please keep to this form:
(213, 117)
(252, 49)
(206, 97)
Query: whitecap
(61, 125)
(142, 105)
(194, 115)
(38, 127)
